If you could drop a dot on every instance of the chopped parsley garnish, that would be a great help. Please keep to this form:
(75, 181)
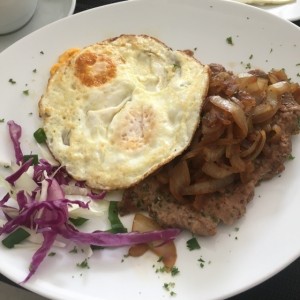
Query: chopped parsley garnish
(26, 92)
(12, 81)
(52, 254)
(74, 250)
(42, 52)
(161, 270)
(113, 217)
(193, 244)
(84, 264)
(174, 271)
(1, 120)
(34, 157)
(202, 261)
(291, 157)
(34, 70)
(40, 135)
(16, 237)
(251, 56)
(248, 66)
(169, 286)
(176, 66)
(229, 40)
(78, 221)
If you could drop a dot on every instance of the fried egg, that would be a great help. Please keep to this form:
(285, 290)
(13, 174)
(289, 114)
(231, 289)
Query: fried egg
(115, 111)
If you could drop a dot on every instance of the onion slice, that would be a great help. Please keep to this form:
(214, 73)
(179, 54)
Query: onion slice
(234, 109)
(208, 186)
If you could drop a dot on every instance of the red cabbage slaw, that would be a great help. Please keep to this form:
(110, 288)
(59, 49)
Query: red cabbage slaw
(45, 209)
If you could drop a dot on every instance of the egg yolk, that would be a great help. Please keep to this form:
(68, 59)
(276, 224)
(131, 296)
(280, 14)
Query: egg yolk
(94, 69)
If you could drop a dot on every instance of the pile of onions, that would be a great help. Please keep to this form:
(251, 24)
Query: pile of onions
(237, 121)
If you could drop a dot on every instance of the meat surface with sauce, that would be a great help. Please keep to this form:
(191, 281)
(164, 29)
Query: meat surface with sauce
(214, 180)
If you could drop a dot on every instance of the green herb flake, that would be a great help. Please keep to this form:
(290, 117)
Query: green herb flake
(42, 52)
(291, 157)
(160, 259)
(78, 221)
(161, 270)
(193, 244)
(251, 56)
(12, 81)
(33, 157)
(34, 70)
(1, 120)
(168, 286)
(40, 136)
(113, 217)
(176, 66)
(52, 254)
(174, 271)
(95, 247)
(84, 264)
(26, 92)
(236, 229)
(16, 237)
(229, 41)
(74, 250)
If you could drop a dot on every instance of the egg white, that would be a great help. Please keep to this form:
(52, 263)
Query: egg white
(116, 111)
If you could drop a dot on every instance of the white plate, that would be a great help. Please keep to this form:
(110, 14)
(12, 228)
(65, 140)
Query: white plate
(267, 240)
(47, 12)
(290, 11)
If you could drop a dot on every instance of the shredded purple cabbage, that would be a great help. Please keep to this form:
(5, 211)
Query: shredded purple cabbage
(41, 253)
(50, 217)
(15, 176)
(15, 132)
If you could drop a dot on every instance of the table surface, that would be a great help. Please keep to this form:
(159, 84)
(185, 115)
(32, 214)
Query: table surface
(284, 285)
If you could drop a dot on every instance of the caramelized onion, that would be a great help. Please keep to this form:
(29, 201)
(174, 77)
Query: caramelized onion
(234, 109)
(165, 251)
(251, 149)
(208, 186)
(178, 183)
(235, 159)
(214, 170)
(268, 109)
(237, 122)
(259, 145)
(277, 133)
